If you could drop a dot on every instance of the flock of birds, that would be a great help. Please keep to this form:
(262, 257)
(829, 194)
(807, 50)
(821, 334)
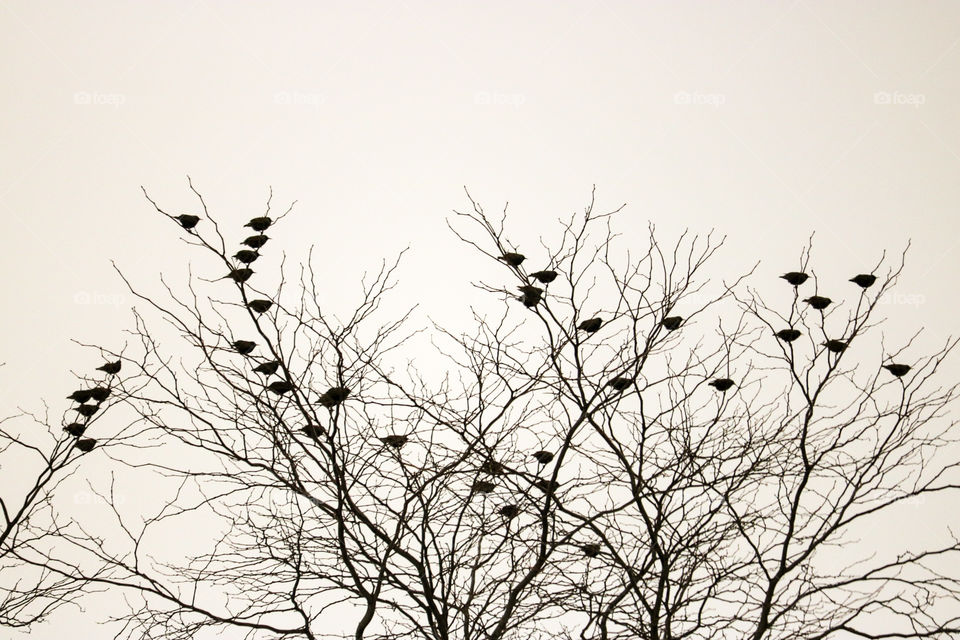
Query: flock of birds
(86, 409)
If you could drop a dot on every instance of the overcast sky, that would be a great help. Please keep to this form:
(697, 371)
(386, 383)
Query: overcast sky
(766, 121)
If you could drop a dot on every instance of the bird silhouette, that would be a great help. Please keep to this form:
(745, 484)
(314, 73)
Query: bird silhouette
(788, 335)
(531, 295)
(261, 223)
(313, 431)
(86, 444)
(239, 275)
(591, 326)
(509, 511)
(899, 370)
(86, 410)
(259, 306)
(99, 394)
(513, 259)
(75, 429)
(255, 242)
(187, 221)
(246, 256)
(543, 457)
(546, 277)
(111, 368)
(482, 486)
(672, 323)
(280, 387)
(835, 346)
(620, 383)
(864, 280)
(268, 368)
(492, 468)
(547, 486)
(334, 396)
(395, 441)
(244, 347)
(796, 278)
(721, 384)
(80, 395)
(591, 550)
(818, 302)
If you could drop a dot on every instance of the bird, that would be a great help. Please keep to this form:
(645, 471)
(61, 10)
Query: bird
(492, 467)
(531, 295)
(86, 444)
(835, 346)
(261, 223)
(86, 410)
(244, 347)
(268, 368)
(546, 277)
(80, 395)
(591, 549)
(590, 326)
(513, 259)
(899, 370)
(246, 256)
(259, 306)
(482, 486)
(396, 440)
(788, 335)
(313, 431)
(239, 275)
(543, 457)
(99, 394)
(111, 368)
(818, 302)
(255, 242)
(280, 387)
(509, 511)
(620, 383)
(864, 280)
(721, 384)
(334, 396)
(547, 486)
(75, 429)
(672, 323)
(187, 221)
(796, 278)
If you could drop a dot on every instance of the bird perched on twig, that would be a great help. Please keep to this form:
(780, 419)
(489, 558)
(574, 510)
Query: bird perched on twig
(899, 370)
(86, 410)
(864, 280)
(545, 277)
(590, 326)
(492, 467)
(395, 441)
(818, 302)
(187, 221)
(796, 278)
(543, 457)
(80, 395)
(531, 295)
(547, 486)
(246, 256)
(239, 275)
(261, 223)
(334, 396)
(482, 486)
(313, 431)
(86, 444)
(268, 368)
(280, 387)
(509, 511)
(672, 323)
(591, 550)
(99, 394)
(259, 306)
(111, 368)
(75, 429)
(513, 259)
(244, 347)
(620, 383)
(255, 242)
(835, 346)
(788, 335)
(721, 384)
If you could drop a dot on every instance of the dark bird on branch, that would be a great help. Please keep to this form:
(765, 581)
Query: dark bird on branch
(547, 486)
(187, 221)
(721, 384)
(255, 242)
(244, 347)
(796, 278)
(482, 486)
(899, 370)
(818, 302)
(546, 277)
(543, 457)
(261, 223)
(672, 323)
(788, 335)
(513, 259)
(239, 275)
(75, 429)
(260, 306)
(267, 368)
(396, 441)
(246, 256)
(509, 511)
(864, 280)
(86, 444)
(86, 410)
(591, 326)
(111, 368)
(835, 346)
(80, 395)
(313, 431)
(591, 550)
(99, 394)
(492, 467)
(620, 383)
(280, 387)
(531, 295)
(334, 396)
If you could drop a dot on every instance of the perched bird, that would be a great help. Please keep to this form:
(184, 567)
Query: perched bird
(620, 383)
(509, 511)
(244, 347)
(111, 368)
(591, 326)
(75, 429)
(899, 370)
(99, 394)
(591, 550)
(482, 486)
(240, 275)
(255, 242)
(334, 396)
(788, 335)
(672, 323)
(259, 306)
(280, 387)
(721, 384)
(268, 368)
(818, 302)
(864, 280)
(86, 444)
(531, 295)
(513, 259)
(492, 467)
(313, 431)
(835, 346)
(80, 395)
(187, 221)
(246, 256)
(547, 486)
(543, 457)
(546, 277)
(261, 223)
(396, 441)
(86, 410)
(796, 278)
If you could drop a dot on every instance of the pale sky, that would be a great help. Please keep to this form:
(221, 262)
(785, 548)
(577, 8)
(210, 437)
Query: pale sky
(766, 121)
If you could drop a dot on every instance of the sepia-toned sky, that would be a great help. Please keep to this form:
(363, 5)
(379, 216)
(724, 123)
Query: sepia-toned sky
(765, 121)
